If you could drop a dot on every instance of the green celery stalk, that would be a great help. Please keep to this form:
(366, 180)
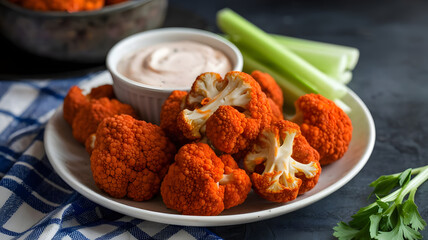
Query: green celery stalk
(291, 89)
(305, 86)
(332, 64)
(328, 63)
(263, 44)
(297, 44)
(344, 77)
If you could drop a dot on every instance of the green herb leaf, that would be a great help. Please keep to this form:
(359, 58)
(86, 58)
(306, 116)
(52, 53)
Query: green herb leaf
(400, 232)
(405, 177)
(384, 184)
(344, 232)
(360, 219)
(389, 218)
(374, 225)
(383, 205)
(411, 214)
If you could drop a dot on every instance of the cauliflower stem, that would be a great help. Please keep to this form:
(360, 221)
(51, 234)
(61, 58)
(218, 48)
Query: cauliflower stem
(282, 163)
(236, 93)
(279, 160)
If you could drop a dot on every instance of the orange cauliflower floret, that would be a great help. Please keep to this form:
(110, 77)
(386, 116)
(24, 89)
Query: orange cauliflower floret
(231, 131)
(236, 182)
(102, 91)
(130, 157)
(84, 113)
(199, 183)
(60, 5)
(89, 116)
(74, 100)
(168, 117)
(272, 91)
(247, 106)
(326, 126)
(282, 163)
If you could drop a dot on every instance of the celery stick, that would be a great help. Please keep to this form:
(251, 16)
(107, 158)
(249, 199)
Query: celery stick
(296, 44)
(342, 105)
(328, 63)
(290, 88)
(334, 65)
(290, 91)
(265, 45)
(345, 77)
(305, 86)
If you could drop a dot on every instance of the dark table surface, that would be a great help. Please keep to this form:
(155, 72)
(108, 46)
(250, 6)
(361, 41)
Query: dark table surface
(391, 78)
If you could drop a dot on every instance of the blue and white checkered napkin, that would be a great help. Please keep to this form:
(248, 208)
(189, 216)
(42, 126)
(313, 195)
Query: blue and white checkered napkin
(34, 201)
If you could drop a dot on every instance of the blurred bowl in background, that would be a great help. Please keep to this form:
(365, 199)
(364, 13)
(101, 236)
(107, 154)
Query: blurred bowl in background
(84, 36)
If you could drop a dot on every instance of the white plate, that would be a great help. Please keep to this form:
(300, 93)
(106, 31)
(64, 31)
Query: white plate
(71, 162)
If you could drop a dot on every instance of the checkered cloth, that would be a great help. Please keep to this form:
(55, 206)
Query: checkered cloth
(34, 201)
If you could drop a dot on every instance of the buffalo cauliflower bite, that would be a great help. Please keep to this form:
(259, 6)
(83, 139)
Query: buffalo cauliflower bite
(85, 112)
(248, 106)
(236, 182)
(102, 91)
(272, 91)
(168, 116)
(130, 157)
(277, 113)
(326, 127)
(75, 99)
(60, 5)
(200, 183)
(231, 131)
(282, 164)
(90, 115)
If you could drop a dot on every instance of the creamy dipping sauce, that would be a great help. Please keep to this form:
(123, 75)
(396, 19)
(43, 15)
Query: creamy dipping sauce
(173, 64)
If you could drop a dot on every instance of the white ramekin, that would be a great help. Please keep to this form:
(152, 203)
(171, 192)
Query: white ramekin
(146, 99)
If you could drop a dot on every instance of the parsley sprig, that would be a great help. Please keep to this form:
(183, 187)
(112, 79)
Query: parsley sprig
(391, 216)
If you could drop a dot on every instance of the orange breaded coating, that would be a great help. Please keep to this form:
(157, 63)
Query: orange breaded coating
(231, 131)
(240, 184)
(269, 87)
(89, 5)
(198, 180)
(168, 117)
(102, 91)
(49, 5)
(74, 100)
(326, 126)
(130, 157)
(273, 93)
(90, 115)
(248, 109)
(282, 163)
(277, 113)
(61, 5)
(85, 112)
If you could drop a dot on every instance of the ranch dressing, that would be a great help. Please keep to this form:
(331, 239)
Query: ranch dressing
(173, 64)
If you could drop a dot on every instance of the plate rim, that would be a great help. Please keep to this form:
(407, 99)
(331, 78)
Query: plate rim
(220, 220)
